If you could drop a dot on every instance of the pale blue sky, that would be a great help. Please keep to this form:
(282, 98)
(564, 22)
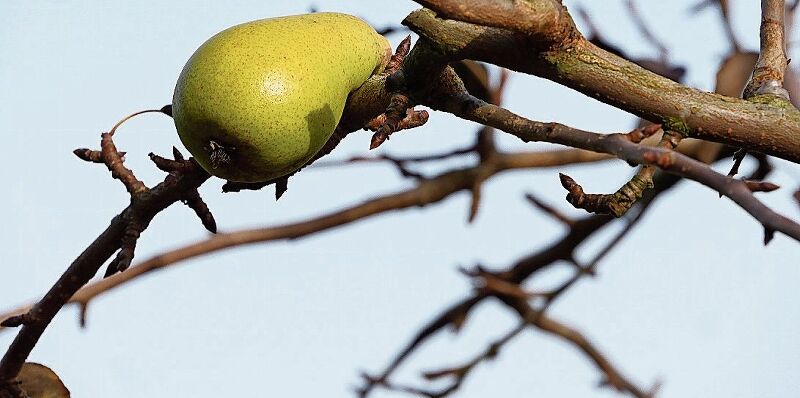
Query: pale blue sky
(691, 298)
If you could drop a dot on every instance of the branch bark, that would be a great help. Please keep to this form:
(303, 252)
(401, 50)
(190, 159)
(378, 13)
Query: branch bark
(771, 127)
(450, 96)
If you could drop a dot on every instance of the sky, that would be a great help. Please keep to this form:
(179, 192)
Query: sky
(691, 298)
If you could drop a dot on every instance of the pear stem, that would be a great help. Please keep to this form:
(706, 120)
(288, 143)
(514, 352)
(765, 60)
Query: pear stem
(167, 110)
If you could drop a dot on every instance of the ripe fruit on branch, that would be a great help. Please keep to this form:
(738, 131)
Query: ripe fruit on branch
(258, 100)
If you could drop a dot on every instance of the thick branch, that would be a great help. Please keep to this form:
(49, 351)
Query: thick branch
(541, 19)
(449, 95)
(461, 104)
(429, 191)
(772, 127)
(626, 196)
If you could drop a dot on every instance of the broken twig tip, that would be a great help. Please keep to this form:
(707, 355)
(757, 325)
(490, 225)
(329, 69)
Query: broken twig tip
(769, 234)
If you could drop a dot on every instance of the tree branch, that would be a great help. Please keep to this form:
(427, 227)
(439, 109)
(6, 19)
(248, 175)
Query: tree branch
(613, 376)
(145, 204)
(771, 65)
(467, 107)
(426, 192)
(563, 249)
(772, 128)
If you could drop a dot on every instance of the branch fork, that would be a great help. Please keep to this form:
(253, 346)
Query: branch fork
(121, 235)
(137, 222)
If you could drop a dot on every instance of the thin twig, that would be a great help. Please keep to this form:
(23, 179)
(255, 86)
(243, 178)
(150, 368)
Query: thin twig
(142, 209)
(626, 196)
(612, 376)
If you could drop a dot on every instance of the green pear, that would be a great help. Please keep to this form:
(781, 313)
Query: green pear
(258, 100)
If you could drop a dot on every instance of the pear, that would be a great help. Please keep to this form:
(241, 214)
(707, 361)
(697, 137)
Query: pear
(258, 100)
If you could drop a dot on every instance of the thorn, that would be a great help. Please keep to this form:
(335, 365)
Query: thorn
(458, 322)
(281, 185)
(82, 315)
(738, 156)
(476, 201)
(769, 234)
(550, 210)
(113, 268)
(176, 154)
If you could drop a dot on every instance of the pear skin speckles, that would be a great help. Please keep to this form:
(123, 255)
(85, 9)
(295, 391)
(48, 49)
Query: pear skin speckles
(271, 92)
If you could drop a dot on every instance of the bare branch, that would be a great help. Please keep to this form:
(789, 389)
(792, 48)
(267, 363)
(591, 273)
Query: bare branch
(550, 210)
(764, 127)
(142, 209)
(623, 199)
(542, 21)
(456, 315)
(613, 376)
(470, 108)
(533, 36)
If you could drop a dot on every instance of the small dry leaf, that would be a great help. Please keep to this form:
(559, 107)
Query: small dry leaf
(39, 381)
